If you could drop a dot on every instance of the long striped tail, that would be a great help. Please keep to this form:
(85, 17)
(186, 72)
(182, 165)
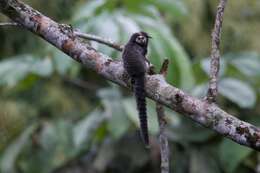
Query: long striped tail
(139, 90)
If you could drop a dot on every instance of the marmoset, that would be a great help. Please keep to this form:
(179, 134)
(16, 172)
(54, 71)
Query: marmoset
(135, 64)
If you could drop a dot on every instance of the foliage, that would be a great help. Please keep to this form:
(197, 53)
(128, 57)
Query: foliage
(54, 114)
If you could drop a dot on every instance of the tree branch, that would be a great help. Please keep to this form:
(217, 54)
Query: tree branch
(101, 40)
(215, 53)
(208, 115)
(163, 140)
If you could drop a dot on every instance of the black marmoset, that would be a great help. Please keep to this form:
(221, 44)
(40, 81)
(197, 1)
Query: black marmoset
(135, 64)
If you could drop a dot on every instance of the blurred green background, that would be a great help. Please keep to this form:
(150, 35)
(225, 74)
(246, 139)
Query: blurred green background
(56, 116)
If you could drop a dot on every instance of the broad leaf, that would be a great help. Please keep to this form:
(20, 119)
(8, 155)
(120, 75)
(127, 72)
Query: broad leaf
(55, 147)
(175, 8)
(88, 9)
(131, 110)
(238, 92)
(232, 154)
(85, 128)
(10, 156)
(17, 68)
(202, 162)
(247, 63)
(114, 112)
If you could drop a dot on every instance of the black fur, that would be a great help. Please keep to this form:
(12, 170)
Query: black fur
(135, 65)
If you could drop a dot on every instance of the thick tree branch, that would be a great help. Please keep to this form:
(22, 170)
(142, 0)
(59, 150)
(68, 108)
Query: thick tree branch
(215, 54)
(208, 115)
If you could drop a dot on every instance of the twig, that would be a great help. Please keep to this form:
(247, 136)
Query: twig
(163, 140)
(98, 39)
(215, 54)
(164, 68)
(9, 24)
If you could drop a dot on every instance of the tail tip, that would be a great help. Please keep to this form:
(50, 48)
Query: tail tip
(145, 141)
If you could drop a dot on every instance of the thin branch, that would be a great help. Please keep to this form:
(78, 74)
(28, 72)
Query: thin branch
(163, 140)
(91, 37)
(164, 68)
(101, 40)
(9, 24)
(201, 111)
(215, 53)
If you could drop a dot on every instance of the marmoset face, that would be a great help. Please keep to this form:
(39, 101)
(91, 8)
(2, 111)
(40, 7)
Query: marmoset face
(141, 39)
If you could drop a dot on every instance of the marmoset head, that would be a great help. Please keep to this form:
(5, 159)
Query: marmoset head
(141, 38)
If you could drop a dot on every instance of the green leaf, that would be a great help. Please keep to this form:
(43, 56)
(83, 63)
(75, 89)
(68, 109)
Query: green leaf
(238, 92)
(117, 120)
(55, 147)
(42, 67)
(15, 69)
(202, 162)
(62, 62)
(128, 25)
(186, 131)
(84, 129)
(9, 157)
(200, 90)
(131, 111)
(158, 52)
(105, 27)
(88, 9)
(232, 154)
(179, 57)
(247, 63)
(175, 8)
